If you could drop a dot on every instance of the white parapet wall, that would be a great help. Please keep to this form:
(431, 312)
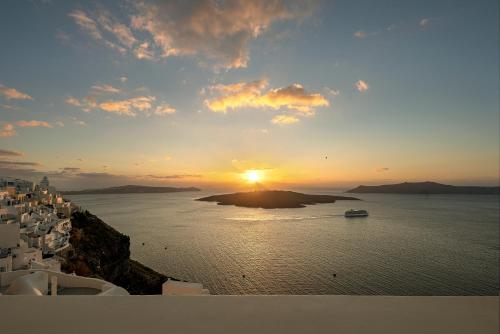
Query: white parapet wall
(67, 281)
(177, 288)
(249, 314)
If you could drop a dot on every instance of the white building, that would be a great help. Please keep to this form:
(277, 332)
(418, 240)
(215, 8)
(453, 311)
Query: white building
(33, 222)
(20, 186)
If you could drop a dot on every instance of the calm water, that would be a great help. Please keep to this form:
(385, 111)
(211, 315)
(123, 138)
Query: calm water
(410, 244)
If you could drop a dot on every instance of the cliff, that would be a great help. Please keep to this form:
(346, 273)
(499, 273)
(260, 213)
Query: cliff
(272, 199)
(425, 188)
(98, 250)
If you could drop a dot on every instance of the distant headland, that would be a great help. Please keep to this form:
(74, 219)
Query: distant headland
(129, 189)
(272, 199)
(424, 188)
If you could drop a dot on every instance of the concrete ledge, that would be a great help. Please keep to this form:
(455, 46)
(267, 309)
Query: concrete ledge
(249, 314)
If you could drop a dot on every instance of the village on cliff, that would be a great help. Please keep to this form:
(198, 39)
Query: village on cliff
(35, 230)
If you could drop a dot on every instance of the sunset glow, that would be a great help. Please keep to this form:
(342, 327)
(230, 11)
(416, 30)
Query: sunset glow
(222, 88)
(253, 176)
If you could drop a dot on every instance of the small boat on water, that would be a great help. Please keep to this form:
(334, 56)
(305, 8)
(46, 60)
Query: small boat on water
(355, 213)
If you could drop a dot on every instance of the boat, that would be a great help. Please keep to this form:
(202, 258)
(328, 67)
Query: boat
(355, 213)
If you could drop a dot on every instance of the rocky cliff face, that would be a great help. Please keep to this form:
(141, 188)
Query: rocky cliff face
(98, 250)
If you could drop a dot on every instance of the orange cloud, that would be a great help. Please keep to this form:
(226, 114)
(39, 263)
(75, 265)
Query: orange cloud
(237, 95)
(143, 51)
(217, 31)
(7, 130)
(13, 94)
(361, 86)
(164, 109)
(105, 23)
(9, 153)
(86, 104)
(34, 124)
(360, 34)
(128, 107)
(363, 34)
(122, 33)
(294, 97)
(284, 119)
(106, 89)
(86, 23)
(252, 95)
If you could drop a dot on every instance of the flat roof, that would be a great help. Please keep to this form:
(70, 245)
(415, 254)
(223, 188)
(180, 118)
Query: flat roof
(249, 314)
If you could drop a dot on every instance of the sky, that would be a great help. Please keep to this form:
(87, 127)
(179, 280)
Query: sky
(228, 93)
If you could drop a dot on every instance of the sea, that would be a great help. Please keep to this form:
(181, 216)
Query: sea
(408, 245)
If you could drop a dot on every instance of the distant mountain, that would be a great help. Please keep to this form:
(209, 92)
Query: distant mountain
(129, 189)
(272, 199)
(424, 188)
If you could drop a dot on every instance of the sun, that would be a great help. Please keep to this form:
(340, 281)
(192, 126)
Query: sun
(253, 176)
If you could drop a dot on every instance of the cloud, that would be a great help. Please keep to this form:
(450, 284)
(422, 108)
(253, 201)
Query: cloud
(79, 122)
(18, 163)
(128, 107)
(13, 94)
(75, 178)
(106, 89)
(34, 124)
(175, 176)
(7, 130)
(391, 27)
(8, 107)
(360, 34)
(62, 36)
(424, 23)
(86, 23)
(164, 109)
(361, 86)
(333, 92)
(86, 104)
(96, 27)
(123, 79)
(122, 33)
(252, 95)
(363, 34)
(284, 119)
(59, 124)
(215, 31)
(74, 102)
(143, 51)
(9, 153)
(95, 174)
(71, 169)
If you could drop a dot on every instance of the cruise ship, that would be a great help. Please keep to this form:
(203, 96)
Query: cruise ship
(355, 213)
